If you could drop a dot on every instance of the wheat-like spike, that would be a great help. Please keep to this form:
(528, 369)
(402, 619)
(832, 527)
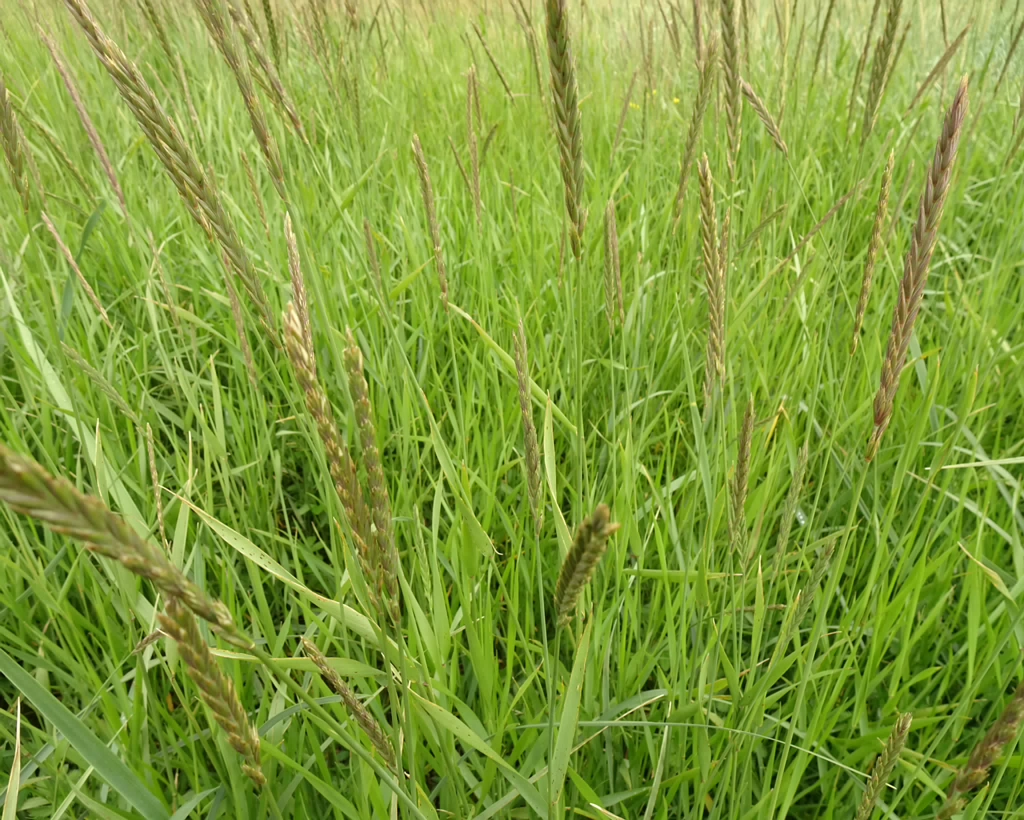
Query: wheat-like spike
(880, 67)
(766, 118)
(13, 146)
(339, 461)
(27, 488)
(892, 65)
(83, 115)
(526, 23)
(796, 486)
(66, 252)
(216, 23)
(817, 576)
(195, 187)
(494, 63)
(428, 204)
(705, 85)
(873, 247)
(915, 269)
(151, 14)
(614, 307)
(275, 45)
(268, 76)
(367, 722)
(714, 369)
(565, 98)
(215, 688)
(731, 60)
(382, 532)
(581, 561)
(299, 287)
(474, 160)
(239, 319)
(884, 766)
(821, 37)
(939, 66)
(157, 494)
(862, 61)
(738, 520)
(985, 754)
(529, 430)
(57, 148)
(371, 253)
(255, 188)
(698, 27)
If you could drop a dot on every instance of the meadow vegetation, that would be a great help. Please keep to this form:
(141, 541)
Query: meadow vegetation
(525, 409)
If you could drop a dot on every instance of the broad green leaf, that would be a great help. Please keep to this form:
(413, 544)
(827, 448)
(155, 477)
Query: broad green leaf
(345, 615)
(108, 766)
(448, 721)
(14, 781)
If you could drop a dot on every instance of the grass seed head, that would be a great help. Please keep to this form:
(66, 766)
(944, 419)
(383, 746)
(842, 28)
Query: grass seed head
(581, 561)
(215, 688)
(915, 268)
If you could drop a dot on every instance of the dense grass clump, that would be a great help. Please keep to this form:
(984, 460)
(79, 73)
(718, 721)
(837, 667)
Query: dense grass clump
(545, 409)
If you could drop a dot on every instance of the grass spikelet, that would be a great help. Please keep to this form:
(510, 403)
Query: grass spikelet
(299, 287)
(367, 722)
(215, 688)
(526, 23)
(738, 520)
(705, 85)
(762, 114)
(862, 61)
(796, 486)
(83, 115)
(268, 76)
(66, 252)
(213, 16)
(915, 269)
(474, 160)
(27, 488)
(428, 203)
(256, 195)
(884, 766)
(731, 62)
(339, 461)
(821, 37)
(275, 43)
(494, 63)
(238, 318)
(149, 11)
(196, 189)
(529, 430)
(873, 247)
(382, 531)
(614, 306)
(985, 754)
(565, 98)
(880, 67)
(14, 147)
(939, 66)
(581, 561)
(698, 28)
(714, 369)
(371, 255)
(157, 494)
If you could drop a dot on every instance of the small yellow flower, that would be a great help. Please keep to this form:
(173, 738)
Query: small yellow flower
(654, 92)
(634, 106)
(675, 100)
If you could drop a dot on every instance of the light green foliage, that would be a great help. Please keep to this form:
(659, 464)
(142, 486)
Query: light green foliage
(713, 682)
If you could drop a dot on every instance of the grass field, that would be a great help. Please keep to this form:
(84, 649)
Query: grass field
(781, 626)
